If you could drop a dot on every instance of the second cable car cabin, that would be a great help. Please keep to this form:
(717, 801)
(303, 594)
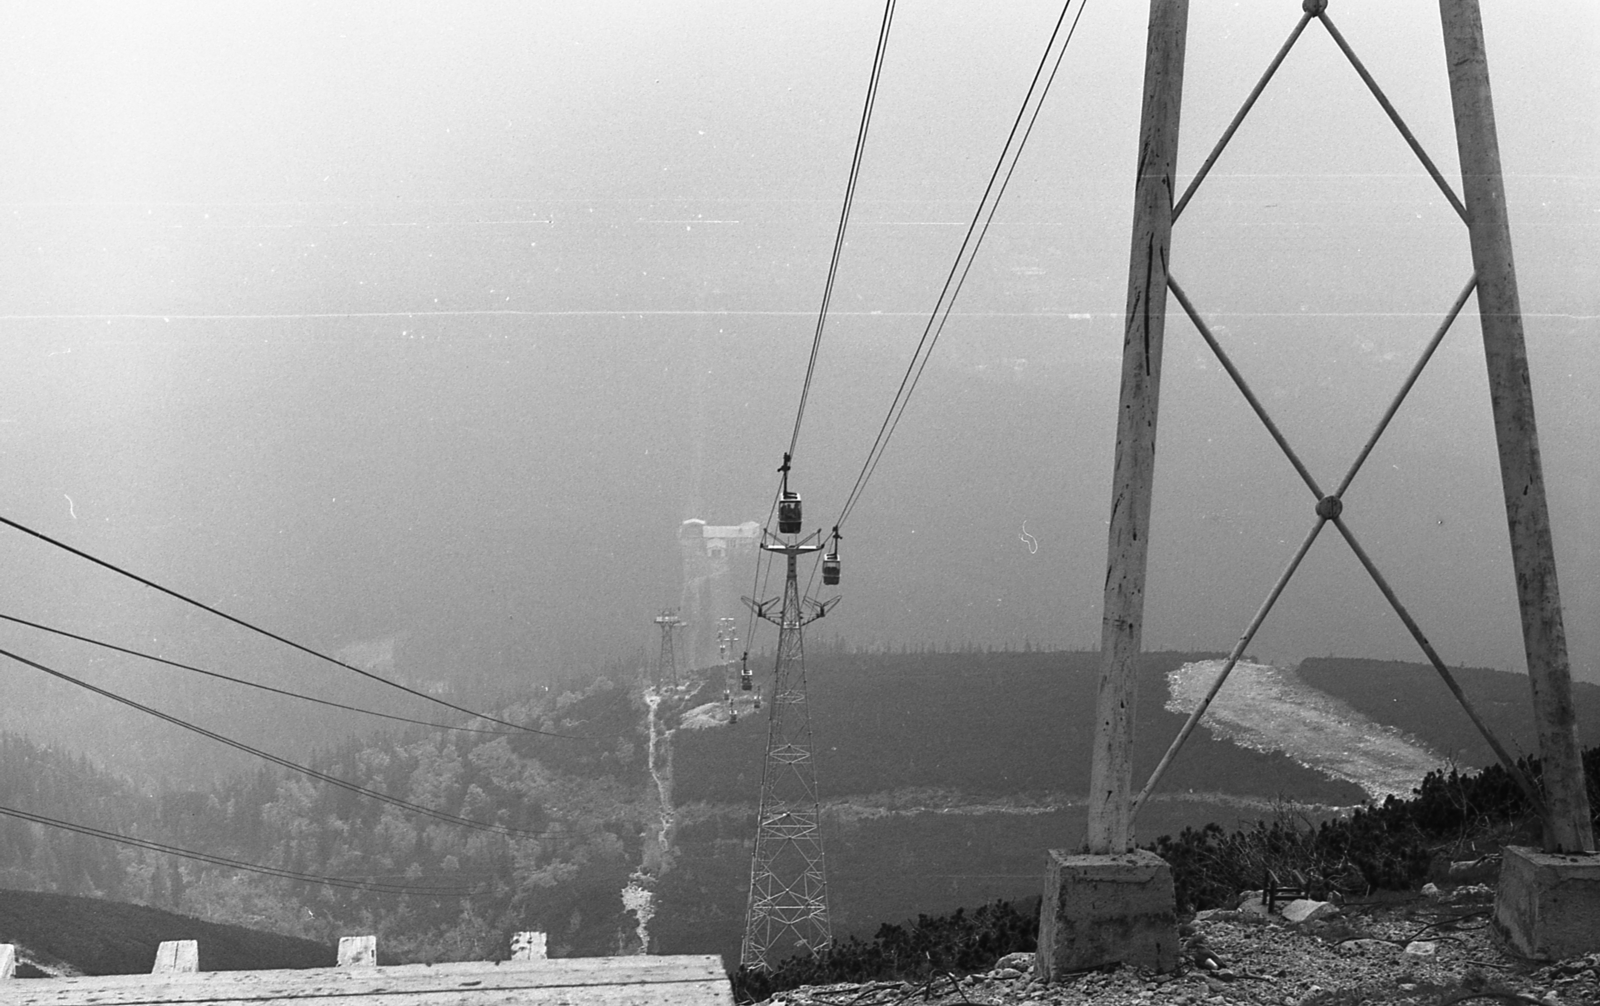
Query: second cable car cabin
(830, 569)
(830, 560)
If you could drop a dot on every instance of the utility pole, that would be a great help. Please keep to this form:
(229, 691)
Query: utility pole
(1567, 827)
(788, 909)
(667, 662)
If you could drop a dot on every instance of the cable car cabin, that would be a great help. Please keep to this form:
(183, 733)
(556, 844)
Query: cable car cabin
(746, 679)
(789, 513)
(830, 569)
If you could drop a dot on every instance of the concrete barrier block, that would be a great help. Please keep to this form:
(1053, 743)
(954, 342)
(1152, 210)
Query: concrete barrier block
(358, 951)
(176, 957)
(1547, 905)
(1101, 910)
(530, 946)
(8, 961)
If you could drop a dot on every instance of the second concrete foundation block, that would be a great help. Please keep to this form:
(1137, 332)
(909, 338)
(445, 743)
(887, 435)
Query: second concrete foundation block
(1107, 909)
(1548, 904)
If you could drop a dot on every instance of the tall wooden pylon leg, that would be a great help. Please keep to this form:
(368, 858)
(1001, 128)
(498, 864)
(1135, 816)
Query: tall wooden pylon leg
(1568, 828)
(1110, 780)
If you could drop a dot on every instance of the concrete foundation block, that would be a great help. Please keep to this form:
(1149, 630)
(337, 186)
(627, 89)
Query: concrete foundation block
(358, 951)
(1548, 904)
(1100, 910)
(530, 946)
(176, 957)
(8, 961)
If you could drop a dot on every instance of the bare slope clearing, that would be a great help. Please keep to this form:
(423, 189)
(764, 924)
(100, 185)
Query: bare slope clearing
(1265, 708)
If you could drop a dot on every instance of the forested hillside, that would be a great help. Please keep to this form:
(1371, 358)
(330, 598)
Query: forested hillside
(944, 776)
(1413, 698)
(981, 723)
(99, 937)
(574, 806)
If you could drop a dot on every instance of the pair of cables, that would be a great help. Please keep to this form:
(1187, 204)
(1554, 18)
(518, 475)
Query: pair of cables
(351, 883)
(1005, 166)
(186, 599)
(304, 770)
(999, 179)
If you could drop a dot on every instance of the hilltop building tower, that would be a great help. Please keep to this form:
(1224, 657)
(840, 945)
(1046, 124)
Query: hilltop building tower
(715, 559)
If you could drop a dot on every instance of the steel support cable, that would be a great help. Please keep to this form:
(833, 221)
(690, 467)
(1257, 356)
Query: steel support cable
(305, 770)
(1238, 118)
(1330, 511)
(242, 681)
(903, 394)
(958, 271)
(758, 588)
(257, 629)
(1394, 116)
(374, 886)
(844, 216)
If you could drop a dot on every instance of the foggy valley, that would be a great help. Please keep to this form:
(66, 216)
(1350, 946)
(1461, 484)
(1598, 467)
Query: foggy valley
(415, 334)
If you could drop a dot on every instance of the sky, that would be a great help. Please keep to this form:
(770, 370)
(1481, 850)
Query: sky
(417, 328)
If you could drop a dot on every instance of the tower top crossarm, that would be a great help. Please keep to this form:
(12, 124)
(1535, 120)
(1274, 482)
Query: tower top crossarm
(805, 546)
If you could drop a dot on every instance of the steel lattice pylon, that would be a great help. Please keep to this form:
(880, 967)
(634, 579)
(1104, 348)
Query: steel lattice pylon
(788, 910)
(667, 662)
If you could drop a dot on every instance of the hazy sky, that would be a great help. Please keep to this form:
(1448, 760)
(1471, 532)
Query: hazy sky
(412, 320)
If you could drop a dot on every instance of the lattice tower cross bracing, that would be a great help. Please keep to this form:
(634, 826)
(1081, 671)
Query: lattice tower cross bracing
(788, 909)
(1561, 801)
(667, 661)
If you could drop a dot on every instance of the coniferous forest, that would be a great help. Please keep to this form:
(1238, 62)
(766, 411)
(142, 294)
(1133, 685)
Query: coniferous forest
(944, 777)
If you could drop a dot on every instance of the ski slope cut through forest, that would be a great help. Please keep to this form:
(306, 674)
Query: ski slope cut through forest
(1265, 708)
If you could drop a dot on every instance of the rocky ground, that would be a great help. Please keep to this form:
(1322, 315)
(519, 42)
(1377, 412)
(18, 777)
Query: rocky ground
(1435, 949)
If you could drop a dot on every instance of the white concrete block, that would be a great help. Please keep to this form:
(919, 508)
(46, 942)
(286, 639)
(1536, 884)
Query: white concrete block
(529, 946)
(8, 961)
(358, 951)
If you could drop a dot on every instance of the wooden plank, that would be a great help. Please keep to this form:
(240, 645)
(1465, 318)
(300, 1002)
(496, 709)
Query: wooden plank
(681, 994)
(600, 981)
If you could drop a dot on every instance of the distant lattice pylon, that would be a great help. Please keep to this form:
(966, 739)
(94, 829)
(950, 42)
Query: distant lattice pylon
(667, 662)
(788, 911)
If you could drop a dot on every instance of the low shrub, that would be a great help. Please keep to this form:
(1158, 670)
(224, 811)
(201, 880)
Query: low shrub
(1389, 846)
(958, 943)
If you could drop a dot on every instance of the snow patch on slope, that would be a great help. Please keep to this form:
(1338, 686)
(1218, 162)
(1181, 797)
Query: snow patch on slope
(1265, 708)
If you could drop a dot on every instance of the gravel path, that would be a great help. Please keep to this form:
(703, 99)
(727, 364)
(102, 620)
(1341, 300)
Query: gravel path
(1425, 950)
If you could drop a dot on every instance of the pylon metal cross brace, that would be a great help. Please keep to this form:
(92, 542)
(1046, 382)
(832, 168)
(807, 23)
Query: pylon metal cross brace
(1329, 506)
